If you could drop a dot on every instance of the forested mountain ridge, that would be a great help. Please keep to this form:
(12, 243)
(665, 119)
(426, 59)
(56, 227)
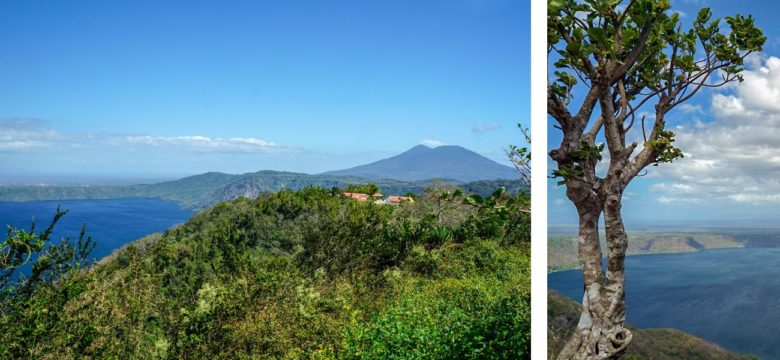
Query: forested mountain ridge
(454, 165)
(200, 191)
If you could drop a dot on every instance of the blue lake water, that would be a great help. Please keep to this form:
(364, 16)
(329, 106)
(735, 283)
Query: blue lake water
(729, 296)
(111, 223)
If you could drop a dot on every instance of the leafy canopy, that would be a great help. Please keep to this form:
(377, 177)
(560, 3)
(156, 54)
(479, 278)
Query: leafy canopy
(628, 54)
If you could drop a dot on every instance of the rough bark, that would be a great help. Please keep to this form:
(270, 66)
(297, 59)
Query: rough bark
(600, 333)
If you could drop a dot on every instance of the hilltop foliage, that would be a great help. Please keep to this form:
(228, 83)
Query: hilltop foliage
(297, 274)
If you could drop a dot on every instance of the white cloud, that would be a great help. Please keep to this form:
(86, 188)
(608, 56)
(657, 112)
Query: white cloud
(677, 199)
(22, 145)
(665, 200)
(205, 143)
(20, 134)
(755, 198)
(690, 109)
(17, 135)
(672, 188)
(736, 157)
(485, 127)
(758, 93)
(432, 143)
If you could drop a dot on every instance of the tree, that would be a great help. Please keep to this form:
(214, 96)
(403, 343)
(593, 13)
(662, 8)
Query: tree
(620, 58)
(48, 262)
(521, 157)
(369, 189)
(37, 278)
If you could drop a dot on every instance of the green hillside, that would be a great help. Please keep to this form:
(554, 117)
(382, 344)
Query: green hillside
(292, 275)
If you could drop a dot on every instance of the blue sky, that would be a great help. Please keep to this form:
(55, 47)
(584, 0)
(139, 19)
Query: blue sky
(150, 88)
(730, 136)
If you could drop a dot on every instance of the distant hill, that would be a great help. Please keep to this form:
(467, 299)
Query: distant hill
(656, 344)
(562, 249)
(200, 191)
(409, 172)
(422, 163)
(251, 185)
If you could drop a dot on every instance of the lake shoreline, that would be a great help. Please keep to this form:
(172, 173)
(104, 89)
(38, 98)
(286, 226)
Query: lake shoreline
(552, 271)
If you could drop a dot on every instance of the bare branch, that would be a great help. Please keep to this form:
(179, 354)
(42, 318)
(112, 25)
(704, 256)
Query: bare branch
(590, 136)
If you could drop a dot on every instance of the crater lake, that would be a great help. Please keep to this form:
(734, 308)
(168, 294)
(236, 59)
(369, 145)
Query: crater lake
(111, 223)
(728, 296)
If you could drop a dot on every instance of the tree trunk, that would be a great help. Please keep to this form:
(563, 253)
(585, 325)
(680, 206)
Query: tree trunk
(600, 333)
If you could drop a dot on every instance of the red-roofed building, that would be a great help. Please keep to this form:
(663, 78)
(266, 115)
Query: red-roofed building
(357, 196)
(394, 199)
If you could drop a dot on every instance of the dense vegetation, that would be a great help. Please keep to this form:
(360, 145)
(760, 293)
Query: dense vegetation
(296, 274)
(200, 191)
